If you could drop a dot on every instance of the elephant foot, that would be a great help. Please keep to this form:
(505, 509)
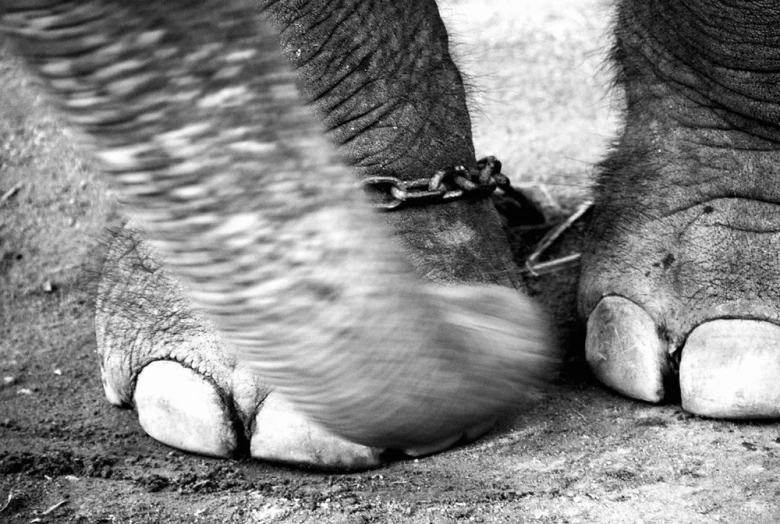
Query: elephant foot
(162, 359)
(680, 284)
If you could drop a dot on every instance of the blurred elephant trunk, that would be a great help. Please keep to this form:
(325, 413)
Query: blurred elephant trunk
(197, 122)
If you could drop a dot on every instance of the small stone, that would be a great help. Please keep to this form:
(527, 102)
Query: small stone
(58, 372)
(9, 380)
(24, 391)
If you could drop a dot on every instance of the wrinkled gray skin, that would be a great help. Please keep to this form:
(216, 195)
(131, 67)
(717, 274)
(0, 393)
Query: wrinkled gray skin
(201, 125)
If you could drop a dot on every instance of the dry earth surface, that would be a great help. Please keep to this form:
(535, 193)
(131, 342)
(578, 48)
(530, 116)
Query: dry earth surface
(584, 455)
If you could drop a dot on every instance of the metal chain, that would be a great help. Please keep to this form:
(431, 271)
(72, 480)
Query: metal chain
(390, 193)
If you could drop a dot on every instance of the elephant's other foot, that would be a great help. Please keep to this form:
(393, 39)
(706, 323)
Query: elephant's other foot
(681, 282)
(162, 359)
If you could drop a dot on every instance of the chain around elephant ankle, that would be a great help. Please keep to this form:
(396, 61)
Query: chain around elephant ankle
(456, 183)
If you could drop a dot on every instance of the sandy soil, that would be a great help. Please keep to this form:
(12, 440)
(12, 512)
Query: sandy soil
(584, 455)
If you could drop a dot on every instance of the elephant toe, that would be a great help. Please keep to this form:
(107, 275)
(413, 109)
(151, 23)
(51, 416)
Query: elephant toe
(624, 350)
(181, 408)
(282, 435)
(729, 369)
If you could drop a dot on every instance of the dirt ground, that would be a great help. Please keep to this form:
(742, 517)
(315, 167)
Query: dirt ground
(584, 455)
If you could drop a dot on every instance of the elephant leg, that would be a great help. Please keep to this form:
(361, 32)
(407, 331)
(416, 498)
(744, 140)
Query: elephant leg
(681, 284)
(200, 125)
(381, 76)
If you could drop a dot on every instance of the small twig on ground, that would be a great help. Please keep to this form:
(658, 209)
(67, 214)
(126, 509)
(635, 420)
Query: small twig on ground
(54, 507)
(551, 266)
(537, 268)
(10, 193)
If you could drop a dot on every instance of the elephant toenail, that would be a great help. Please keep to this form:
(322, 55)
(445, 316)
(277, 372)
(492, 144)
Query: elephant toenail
(625, 351)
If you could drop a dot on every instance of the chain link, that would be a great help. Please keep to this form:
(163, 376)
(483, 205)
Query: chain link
(390, 193)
